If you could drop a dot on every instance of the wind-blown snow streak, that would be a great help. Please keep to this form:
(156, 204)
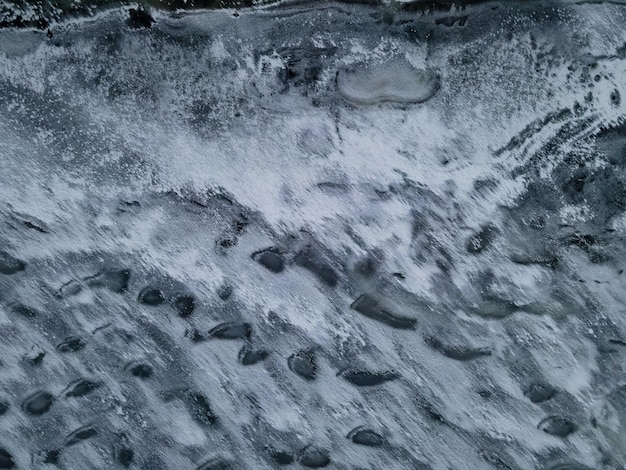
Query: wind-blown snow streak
(221, 248)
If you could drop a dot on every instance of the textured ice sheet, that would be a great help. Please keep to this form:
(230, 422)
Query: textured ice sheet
(210, 258)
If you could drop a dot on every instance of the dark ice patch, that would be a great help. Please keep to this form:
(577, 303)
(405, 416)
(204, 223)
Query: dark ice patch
(225, 292)
(524, 259)
(4, 407)
(313, 457)
(368, 306)
(185, 305)
(481, 240)
(200, 408)
(217, 463)
(71, 344)
(312, 261)
(36, 358)
(231, 330)
(151, 296)
(615, 97)
(6, 459)
(139, 18)
(366, 437)
(113, 280)
(79, 435)
(125, 456)
(9, 264)
(303, 65)
(226, 242)
(494, 308)
(367, 378)
(304, 364)
(539, 392)
(459, 353)
(281, 457)
(248, 356)
(139, 369)
(38, 403)
(81, 387)
(24, 310)
(270, 259)
(51, 456)
(485, 184)
(128, 206)
(557, 426)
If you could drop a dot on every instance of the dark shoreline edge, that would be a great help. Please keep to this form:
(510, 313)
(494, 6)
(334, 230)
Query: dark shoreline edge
(44, 14)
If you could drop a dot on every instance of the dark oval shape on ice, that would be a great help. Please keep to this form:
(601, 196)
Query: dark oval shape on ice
(141, 370)
(125, 456)
(24, 310)
(51, 456)
(494, 308)
(459, 353)
(6, 459)
(151, 296)
(370, 307)
(311, 261)
(9, 264)
(540, 392)
(115, 281)
(313, 457)
(366, 437)
(557, 426)
(303, 363)
(38, 403)
(270, 259)
(200, 408)
(231, 330)
(81, 387)
(185, 304)
(248, 356)
(367, 378)
(281, 457)
(225, 292)
(71, 344)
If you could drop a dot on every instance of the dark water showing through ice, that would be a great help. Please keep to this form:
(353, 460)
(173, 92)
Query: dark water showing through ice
(315, 235)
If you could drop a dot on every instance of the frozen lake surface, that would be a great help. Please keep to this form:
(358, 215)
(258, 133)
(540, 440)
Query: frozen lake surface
(315, 235)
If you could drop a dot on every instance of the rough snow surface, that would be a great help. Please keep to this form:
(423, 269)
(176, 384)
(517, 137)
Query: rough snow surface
(315, 235)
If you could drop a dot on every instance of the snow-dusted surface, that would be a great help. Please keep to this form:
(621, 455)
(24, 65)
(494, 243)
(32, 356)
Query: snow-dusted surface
(485, 225)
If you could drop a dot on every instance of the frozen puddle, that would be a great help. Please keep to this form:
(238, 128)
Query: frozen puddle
(395, 81)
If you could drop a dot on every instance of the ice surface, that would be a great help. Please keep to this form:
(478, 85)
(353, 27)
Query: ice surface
(318, 235)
